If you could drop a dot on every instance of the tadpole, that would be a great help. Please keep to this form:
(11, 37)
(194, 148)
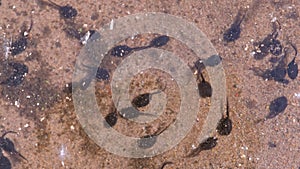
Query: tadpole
(66, 11)
(20, 44)
(292, 68)
(208, 144)
(277, 106)
(144, 99)
(233, 33)
(225, 124)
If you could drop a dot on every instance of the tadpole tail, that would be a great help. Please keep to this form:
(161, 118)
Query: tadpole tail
(22, 156)
(227, 107)
(194, 152)
(202, 77)
(30, 26)
(5, 133)
(238, 20)
(141, 48)
(276, 27)
(53, 4)
(165, 163)
(159, 91)
(295, 49)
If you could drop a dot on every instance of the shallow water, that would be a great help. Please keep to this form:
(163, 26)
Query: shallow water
(51, 133)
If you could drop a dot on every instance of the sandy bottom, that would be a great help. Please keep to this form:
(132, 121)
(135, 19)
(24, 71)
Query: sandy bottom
(50, 135)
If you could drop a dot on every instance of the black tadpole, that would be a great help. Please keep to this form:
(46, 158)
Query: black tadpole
(277, 106)
(233, 33)
(292, 68)
(225, 124)
(66, 11)
(143, 100)
(20, 44)
(208, 144)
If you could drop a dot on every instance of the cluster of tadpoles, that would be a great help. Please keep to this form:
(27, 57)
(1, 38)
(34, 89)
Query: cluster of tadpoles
(271, 44)
(143, 99)
(224, 128)
(16, 71)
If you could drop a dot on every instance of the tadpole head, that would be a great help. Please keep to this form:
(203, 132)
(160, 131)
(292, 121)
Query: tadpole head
(8, 146)
(224, 126)
(121, 51)
(141, 100)
(278, 74)
(232, 34)
(67, 12)
(205, 89)
(111, 119)
(159, 41)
